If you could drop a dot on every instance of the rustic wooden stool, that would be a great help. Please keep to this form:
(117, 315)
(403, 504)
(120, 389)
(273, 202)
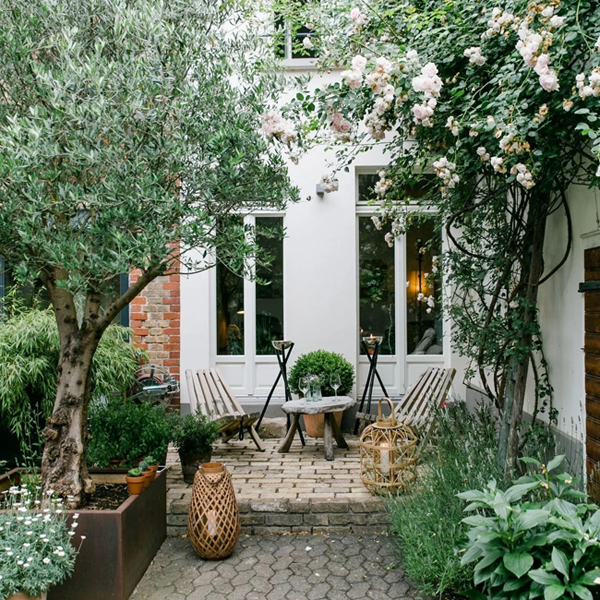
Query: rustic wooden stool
(327, 407)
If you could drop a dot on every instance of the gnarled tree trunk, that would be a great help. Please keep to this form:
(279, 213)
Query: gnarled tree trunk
(518, 368)
(64, 467)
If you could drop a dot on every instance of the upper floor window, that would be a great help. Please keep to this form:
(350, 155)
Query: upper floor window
(294, 37)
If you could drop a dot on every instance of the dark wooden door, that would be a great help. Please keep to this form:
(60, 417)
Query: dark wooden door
(592, 371)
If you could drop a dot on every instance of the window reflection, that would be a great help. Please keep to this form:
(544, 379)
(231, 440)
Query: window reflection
(423, 290)
(269, 286)
(377, 296)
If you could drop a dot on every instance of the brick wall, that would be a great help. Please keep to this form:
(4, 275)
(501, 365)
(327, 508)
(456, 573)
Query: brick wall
(155, 317)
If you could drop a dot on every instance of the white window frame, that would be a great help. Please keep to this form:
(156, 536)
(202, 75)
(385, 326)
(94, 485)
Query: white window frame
(249, 358)
(401, 358)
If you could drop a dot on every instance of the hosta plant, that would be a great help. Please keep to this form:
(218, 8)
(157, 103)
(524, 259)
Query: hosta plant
(537, 539)
(35, 543)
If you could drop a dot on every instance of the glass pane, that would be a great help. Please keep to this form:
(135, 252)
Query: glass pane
(423, 289)
(29, 294)
(377, 297)
(230, 312)
(269, 285)
(366, 185)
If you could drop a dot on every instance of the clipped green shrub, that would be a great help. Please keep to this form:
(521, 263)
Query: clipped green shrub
(126, 431)
(29, 352)
(323, 363)
(427, 520)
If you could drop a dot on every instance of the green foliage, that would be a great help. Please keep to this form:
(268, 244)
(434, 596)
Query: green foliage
(195, 434)
(136, 472)
(495, 98)
(323, 364)
(130, 132)
(126, 431)
(427, 520)
(536, 539)
(36, 550)
(29, 352)
(150, 460)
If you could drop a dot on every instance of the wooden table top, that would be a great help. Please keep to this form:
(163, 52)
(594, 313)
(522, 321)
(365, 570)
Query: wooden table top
(328, 404)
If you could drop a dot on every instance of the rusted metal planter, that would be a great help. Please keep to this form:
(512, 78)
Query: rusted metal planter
(119, 545)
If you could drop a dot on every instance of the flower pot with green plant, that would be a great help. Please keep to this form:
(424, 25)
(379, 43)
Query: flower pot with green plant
(324, 365)
(135, 481)
(37, 551)
(146, 472)
(152, 464)
(193, 437)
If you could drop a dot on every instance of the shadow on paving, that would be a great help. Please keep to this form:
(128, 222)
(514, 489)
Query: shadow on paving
(288, 567)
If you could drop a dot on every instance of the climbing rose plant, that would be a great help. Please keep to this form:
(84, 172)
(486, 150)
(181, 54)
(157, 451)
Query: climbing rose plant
(492, 107)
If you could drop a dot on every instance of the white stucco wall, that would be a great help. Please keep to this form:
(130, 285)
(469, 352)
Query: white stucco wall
(320, 286)
(562, 307)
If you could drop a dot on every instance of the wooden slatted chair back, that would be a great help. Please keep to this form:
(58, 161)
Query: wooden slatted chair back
(210, 394)
(427, 395)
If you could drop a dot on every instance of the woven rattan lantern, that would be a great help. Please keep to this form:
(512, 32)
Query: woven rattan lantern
(387, 454)
(214, 518)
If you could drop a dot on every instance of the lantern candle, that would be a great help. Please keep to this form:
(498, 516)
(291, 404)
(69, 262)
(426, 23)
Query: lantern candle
(384, 459)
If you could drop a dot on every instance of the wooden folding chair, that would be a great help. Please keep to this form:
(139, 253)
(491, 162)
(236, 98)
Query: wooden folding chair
(417, 408)
(210, 394)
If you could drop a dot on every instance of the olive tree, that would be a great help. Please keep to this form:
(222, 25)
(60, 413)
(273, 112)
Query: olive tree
(129, 135)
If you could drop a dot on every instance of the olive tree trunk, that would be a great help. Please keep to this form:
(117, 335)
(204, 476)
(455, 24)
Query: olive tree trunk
(64, 467)
(518, 368)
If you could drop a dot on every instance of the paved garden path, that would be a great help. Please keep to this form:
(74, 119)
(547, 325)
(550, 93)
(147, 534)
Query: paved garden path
(282, 567)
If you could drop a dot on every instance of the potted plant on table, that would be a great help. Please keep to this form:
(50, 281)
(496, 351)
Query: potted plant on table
(36, 552)
(322, 364)
(193, 437)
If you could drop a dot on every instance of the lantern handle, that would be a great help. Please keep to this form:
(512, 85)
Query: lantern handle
(380, 416)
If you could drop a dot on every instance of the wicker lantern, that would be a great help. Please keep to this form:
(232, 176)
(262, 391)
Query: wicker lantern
(214, 518)
(387, 454)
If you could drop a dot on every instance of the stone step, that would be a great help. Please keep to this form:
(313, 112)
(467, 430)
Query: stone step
(264, 516)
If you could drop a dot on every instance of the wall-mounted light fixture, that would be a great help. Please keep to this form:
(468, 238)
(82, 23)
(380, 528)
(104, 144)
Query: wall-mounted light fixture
(320, 190)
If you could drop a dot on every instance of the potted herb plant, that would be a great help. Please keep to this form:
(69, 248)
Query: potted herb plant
(193, 437)
(35, 542)
(146, 472)
(322, 364)
(135, 481)
(152, 464)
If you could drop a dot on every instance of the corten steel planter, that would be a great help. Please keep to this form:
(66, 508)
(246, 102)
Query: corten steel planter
(119, 545)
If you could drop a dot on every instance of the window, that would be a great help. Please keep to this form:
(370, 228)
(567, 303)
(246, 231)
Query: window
(291, 37)
(399, 280)
(423, 293)
(235, 314)
(269, 285)
(37, 294)
(377, 286)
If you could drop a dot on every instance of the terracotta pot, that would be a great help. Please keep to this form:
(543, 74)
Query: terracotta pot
(191, 462)
(315, 424)
(154, 469)
(135, 485)
(148, 478)
(22, 596)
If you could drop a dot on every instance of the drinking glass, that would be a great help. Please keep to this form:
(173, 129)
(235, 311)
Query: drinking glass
(335, 382)
(303, 384)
